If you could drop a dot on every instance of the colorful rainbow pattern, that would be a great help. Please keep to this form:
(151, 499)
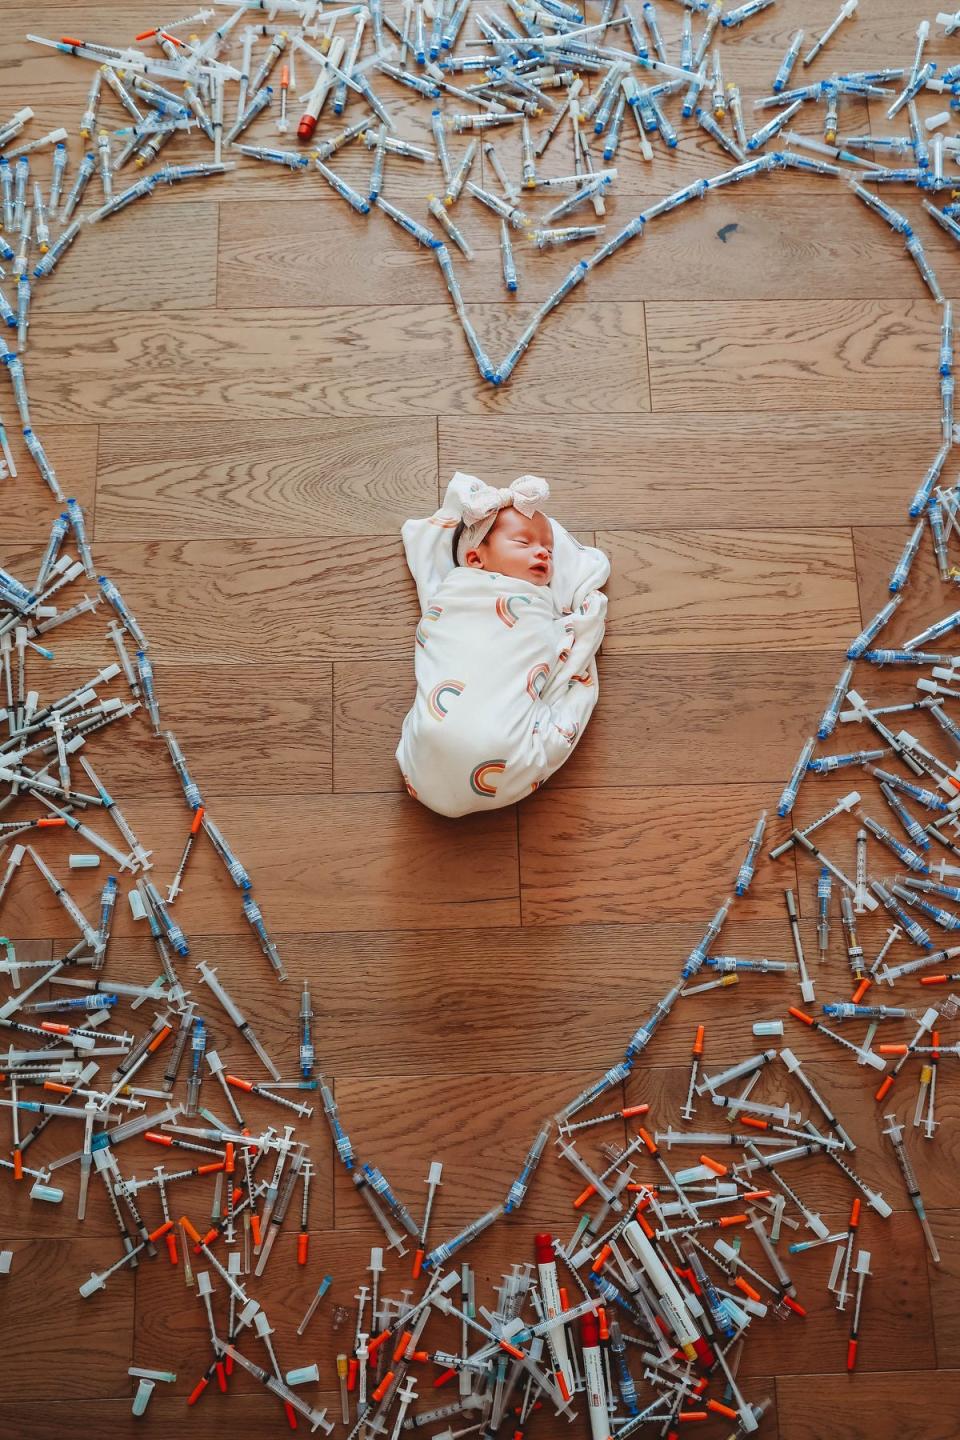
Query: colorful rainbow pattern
(569, 735)
(480, 783)
(444, 522)
(585, 679)
(505, 610)
(433, 612)
(435, 701)
(537, 679)
(410, 789)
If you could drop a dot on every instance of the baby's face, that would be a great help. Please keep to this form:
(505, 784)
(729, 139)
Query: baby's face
(518, 547)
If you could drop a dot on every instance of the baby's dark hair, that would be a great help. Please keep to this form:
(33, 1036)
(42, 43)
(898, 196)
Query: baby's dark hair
(461, 526)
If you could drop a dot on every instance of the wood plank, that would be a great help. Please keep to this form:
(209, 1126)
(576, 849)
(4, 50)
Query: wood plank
(396, 360)
(686, 590)
(359, 869)
(772, 251)
(77, 1333)
(232, 604)
(741, 469)
(749, 715)
(267, 479)
(890, 1403)
(803, 355)
(103, 269)
(645, 850)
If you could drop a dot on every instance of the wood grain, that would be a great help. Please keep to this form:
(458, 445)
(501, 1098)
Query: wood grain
(740, 469)
(806, 355)
(266, 479)
(889, 1403)
(781, 590)
(635, 872)
(339, 360)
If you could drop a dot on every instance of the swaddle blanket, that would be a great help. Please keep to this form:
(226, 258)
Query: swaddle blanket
(506, 670)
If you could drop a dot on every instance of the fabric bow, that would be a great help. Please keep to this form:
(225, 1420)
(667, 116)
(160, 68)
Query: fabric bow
(526, 494)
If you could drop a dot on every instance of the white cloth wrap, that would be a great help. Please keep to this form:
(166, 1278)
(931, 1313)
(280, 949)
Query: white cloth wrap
(506, 670)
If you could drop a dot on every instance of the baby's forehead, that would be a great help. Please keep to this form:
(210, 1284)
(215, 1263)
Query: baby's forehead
(511, 519)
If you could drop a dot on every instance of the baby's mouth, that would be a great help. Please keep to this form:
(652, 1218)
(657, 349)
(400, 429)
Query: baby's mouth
(538, 567)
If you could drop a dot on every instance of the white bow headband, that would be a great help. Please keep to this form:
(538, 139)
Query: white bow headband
(483, 503)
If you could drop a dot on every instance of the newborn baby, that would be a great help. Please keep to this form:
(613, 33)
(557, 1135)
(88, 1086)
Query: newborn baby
(511, 622)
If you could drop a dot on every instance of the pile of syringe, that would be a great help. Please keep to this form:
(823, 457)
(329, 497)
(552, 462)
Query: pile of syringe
(545, 76)
(638, 1319)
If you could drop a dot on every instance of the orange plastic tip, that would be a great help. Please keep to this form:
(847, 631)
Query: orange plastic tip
(58, 1089)
(698, 1041)
(754, 1122)
(146, 34)
(860, 991)
(172, 1254)
(239, 1084)
(602, 1325)
(353, 1370)
(854, 1213)
(401, 1345)
(726, 1220)
(892, 1049)
(255, 1228)
(197, 1391)
(383, 1387)
(561, 1384)
(632, 1110)
(18, 1164)
(512, 1350)
(584, 1196)
(197, 820)
(931, 980)
(421, 1356)
(443, 1377)
(303, 1244)
(157, 1138)
(291, 1414)
(713, 1165)
(603, 1255)
(851, 1354)
(53, 1028)
(719, 1409)
(69, 40)
(800, 1015)
(376, 1342)
(228, 1160)
(221, 1377)
(161, 1230)
(756, 1194)
(185, 1222)
(285, 77)
(306, 128)
(418, 1264)
(645, 1226)
(884, 1088)
(210, 1169)
(746, 1288)
(212, 1234)
(50, 822)
(687, 1417)
(647, 1140)
(158, 1040)
(794, 1306)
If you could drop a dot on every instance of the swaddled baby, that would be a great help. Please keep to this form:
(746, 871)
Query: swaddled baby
(512, 618)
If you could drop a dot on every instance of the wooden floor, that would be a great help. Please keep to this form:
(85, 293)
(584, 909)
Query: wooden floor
(249, 388)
